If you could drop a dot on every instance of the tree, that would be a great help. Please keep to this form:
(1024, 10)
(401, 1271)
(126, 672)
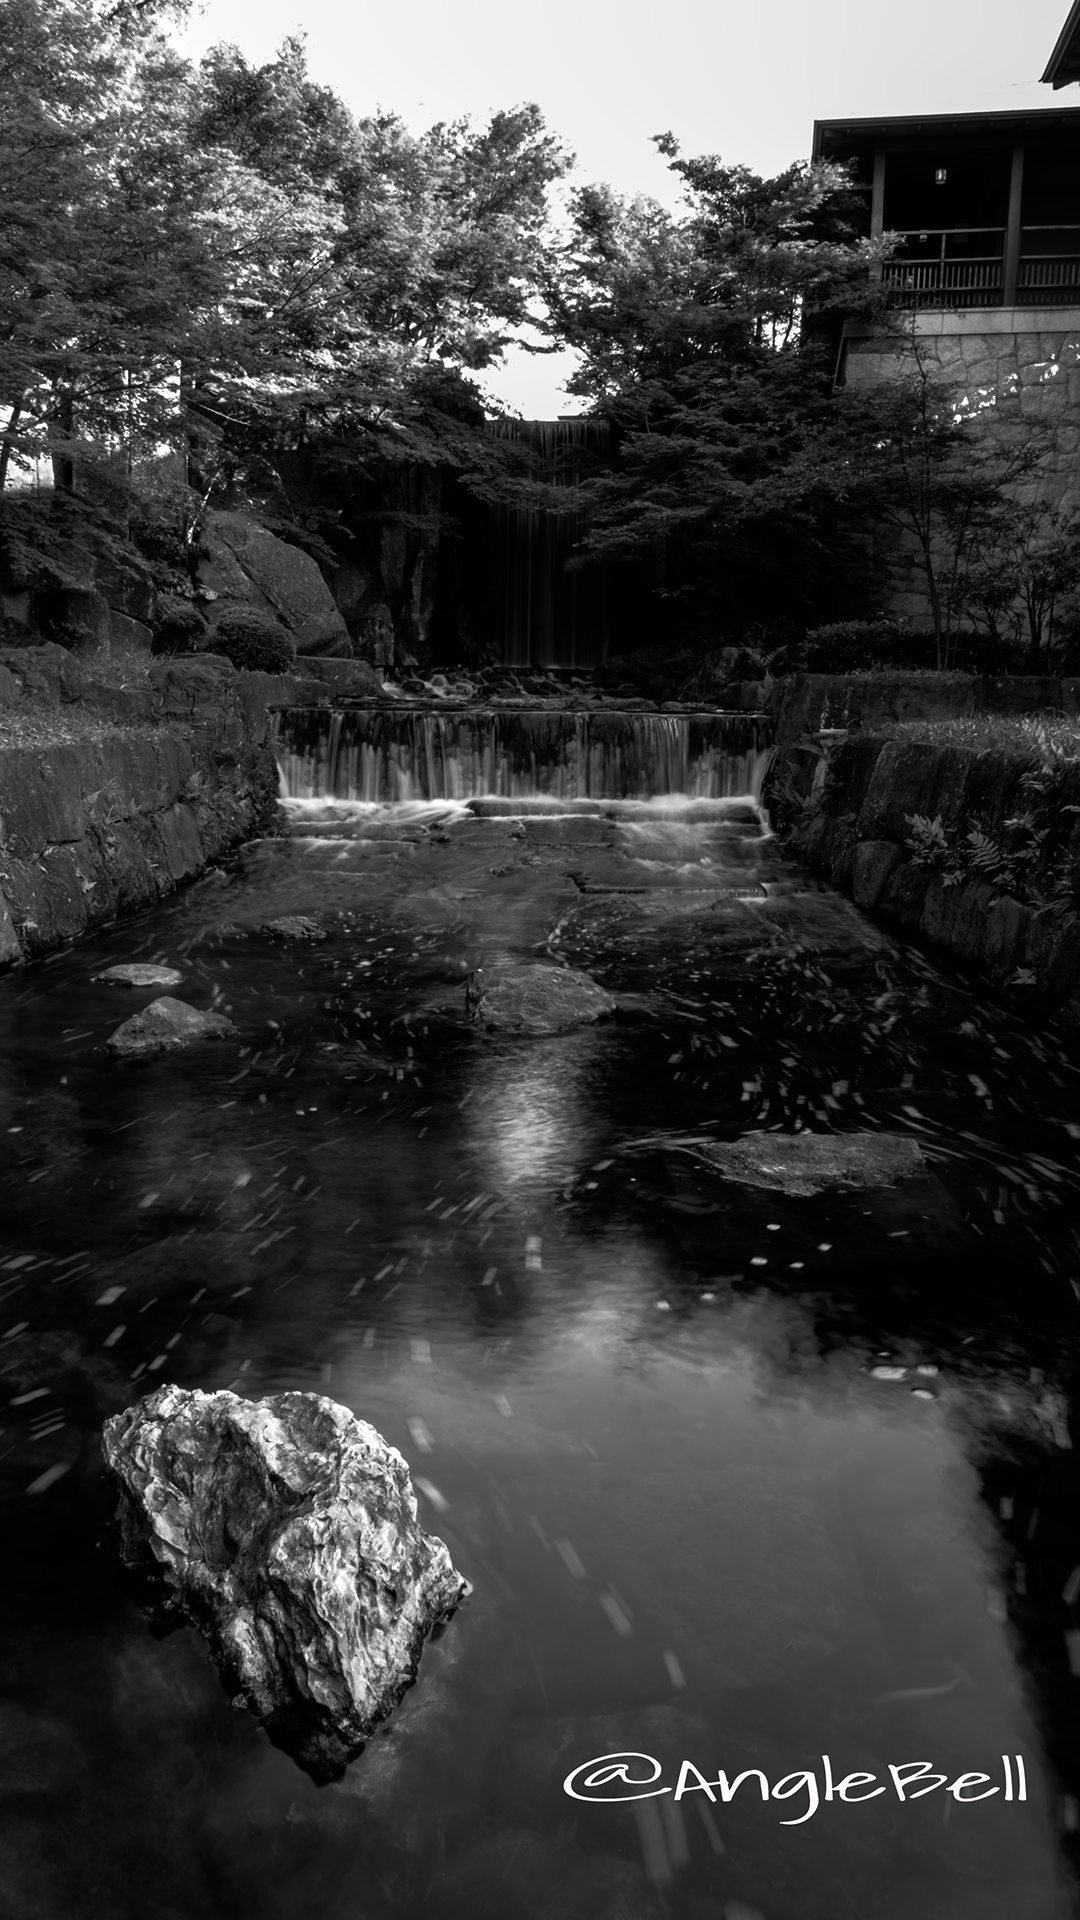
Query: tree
(230, 247)
(102, 272)
(1023, 575)
(941, 474)
(692, 330)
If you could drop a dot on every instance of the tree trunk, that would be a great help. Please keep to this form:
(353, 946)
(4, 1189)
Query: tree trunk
(6, 447)
(62, 463)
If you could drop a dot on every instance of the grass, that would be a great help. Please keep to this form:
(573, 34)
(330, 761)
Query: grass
(112, 666)
(39, 723)
(1048, 738)
(34, 724)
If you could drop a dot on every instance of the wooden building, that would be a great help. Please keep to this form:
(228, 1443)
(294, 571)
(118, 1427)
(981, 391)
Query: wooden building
(985, 211)
(987, 204)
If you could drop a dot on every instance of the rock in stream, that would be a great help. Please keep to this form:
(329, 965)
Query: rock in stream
(535, 998)
(285, 1529)
(806, 1163)
(165, 1025)
(138, 973)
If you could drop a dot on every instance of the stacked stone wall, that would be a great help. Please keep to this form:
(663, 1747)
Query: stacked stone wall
(110, 798)
(846, 797)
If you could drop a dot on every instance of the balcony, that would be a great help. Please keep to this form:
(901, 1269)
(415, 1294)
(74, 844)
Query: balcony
(939, 269)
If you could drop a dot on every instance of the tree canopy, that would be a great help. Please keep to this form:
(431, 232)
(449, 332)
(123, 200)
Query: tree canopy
(694, 342)
(229, 241)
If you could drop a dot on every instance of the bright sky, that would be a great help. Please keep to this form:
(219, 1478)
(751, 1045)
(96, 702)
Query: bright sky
(746, 81)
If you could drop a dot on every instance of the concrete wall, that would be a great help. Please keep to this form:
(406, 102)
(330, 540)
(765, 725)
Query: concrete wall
(1018, 370)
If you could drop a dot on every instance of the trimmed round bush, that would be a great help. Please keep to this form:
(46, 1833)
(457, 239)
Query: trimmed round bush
(179, 627)
(253, 640)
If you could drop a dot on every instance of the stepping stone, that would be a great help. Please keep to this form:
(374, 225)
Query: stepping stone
(139, 974)
(801, 1164)
(165, 1025)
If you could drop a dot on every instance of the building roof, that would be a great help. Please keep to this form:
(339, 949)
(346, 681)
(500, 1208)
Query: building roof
(960, 127)
(1063, 67)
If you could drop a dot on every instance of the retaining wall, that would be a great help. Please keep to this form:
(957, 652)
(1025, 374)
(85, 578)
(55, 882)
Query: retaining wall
(110, 798)
(846, 805)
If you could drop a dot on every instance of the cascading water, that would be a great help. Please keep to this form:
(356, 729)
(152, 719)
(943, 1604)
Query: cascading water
(544, 613)
(379, 756)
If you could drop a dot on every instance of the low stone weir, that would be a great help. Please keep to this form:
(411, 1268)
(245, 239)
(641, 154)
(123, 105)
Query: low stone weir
(400, 754)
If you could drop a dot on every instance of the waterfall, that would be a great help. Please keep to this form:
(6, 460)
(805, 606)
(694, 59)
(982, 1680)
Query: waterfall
(391, 755)
(542, 614)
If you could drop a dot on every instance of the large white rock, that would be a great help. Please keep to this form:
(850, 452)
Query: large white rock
(285, 1529)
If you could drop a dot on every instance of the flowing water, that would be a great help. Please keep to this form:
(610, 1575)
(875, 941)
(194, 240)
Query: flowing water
(769, 1485)
(542, 610)
(375, 755)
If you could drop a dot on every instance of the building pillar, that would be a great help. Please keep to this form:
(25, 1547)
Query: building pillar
(1012, 231)
(877, 206)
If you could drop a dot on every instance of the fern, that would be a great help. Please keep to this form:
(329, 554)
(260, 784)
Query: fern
(928, 841)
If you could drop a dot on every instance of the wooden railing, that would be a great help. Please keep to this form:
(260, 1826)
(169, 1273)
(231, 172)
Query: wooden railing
(1050, 281)
(946, 283)
(1048, 271)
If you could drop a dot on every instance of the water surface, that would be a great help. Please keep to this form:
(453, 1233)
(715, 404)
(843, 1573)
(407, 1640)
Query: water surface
(739, 1480)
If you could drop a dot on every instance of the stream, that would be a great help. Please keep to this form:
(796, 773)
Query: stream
(777, 1485)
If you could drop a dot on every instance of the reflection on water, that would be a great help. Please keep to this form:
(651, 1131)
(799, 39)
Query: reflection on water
(529, 1119)
(740, 1481)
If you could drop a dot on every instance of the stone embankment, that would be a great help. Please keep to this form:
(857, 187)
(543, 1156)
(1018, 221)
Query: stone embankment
(977, 852)
(110, 797)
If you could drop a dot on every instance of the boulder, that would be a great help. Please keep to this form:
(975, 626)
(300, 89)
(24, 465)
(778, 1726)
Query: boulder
(285, 1529)
(73, 617)
(245, 563)
(126, 582)
(347, 679)
(718, 672)
(139, 973)
(46, 674)
(130, 633)
(801, 1164)
(165, 1025)
(535, 998)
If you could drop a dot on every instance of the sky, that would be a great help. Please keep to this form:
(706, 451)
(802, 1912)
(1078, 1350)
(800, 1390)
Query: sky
(745, 81)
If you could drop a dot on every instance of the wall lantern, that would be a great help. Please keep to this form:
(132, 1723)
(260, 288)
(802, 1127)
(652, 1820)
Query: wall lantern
(940, 177)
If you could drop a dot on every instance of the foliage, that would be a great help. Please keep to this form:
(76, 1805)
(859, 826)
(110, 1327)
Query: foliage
(1033, 862)
(922, 463)
(1027, 565)
(166, 520)
(851, 646)
(928, 842)
(303, 270)
(254, 640)
(1048, 741)
(725, 478)
(179, 627)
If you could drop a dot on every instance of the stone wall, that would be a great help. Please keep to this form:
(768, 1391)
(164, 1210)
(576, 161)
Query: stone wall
(846, 803)
(110, 798)
(1018, 370)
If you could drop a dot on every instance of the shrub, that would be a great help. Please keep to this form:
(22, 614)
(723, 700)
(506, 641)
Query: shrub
(179, 627)
(848, 645)
(254, 640)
